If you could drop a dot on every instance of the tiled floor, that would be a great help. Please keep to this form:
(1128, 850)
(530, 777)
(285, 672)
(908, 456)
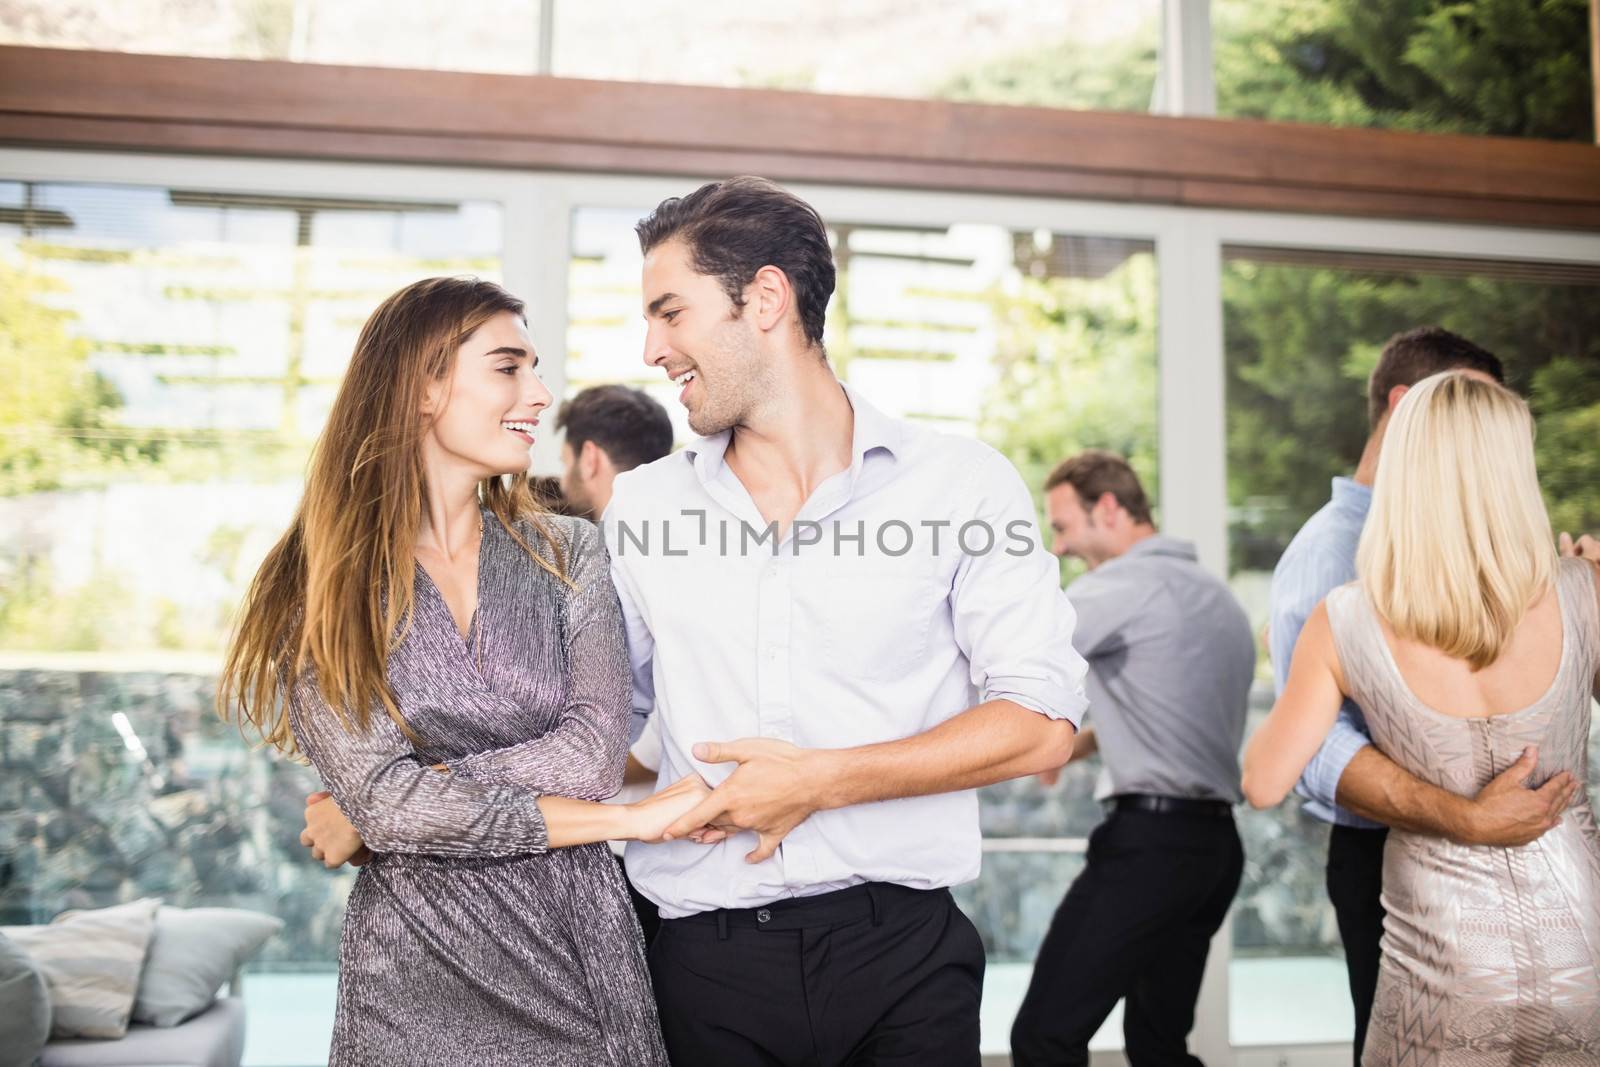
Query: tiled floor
(288, 1019)
(1274, 1002)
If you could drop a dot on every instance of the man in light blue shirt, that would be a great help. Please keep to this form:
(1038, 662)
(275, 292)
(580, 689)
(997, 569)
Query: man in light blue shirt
(1349, 783)
(1321, 558)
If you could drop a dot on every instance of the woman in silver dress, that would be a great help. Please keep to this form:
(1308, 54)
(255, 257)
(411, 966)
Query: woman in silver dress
(1466, 641)
(452, 663)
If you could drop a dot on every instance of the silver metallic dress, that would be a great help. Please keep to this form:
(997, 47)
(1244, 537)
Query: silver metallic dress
(1491, 956)
(467, 940)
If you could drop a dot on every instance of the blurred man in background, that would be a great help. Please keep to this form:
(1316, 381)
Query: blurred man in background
(609, 429)
(1171, 658)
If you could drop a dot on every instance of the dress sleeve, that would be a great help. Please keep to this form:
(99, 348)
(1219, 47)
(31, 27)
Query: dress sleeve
(396, 801)
(584, 754)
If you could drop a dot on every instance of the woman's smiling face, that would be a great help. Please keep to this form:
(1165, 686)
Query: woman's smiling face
(493, 399)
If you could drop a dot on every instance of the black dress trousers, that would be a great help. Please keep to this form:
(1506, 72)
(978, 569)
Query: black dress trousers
(876, 974)
(1355, 885)
(1136, 924)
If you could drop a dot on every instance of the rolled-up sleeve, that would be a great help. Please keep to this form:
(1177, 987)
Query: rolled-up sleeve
(1320, 780)
(1011, 618)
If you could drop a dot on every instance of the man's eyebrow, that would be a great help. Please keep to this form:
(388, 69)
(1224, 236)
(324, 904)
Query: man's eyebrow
(662, 301)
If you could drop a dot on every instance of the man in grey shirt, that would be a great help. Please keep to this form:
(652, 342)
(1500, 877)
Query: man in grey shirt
(1171, 658)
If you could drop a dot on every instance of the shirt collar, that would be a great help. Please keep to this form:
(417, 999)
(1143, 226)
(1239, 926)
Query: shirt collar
(1350, 495)
(872, 430)
(1162, 545)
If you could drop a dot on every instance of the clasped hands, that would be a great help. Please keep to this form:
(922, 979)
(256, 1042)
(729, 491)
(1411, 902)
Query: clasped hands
(775, 787)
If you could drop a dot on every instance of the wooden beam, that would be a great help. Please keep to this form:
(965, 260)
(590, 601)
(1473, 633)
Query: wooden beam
(163, 103)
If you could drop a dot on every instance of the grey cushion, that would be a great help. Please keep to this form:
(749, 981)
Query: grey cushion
(24, 1006)
(91, 962)
(193, 952)
(214, 1038)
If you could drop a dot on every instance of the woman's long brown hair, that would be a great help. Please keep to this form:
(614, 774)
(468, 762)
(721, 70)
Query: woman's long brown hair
(334, 594)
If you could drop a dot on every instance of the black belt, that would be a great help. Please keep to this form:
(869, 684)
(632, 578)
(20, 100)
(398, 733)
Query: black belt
(1191, 806)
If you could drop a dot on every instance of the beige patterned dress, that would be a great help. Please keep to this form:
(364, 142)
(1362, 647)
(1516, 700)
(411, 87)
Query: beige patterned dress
(1491, 956)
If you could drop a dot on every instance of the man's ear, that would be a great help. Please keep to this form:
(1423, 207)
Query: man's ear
(1396, 394)
(590, 457)
(769, 296)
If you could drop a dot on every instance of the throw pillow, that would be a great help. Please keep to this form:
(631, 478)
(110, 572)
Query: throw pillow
(24, 1006)
(193, 952)
(91, 962)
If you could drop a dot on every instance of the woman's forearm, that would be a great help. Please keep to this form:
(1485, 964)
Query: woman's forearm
(570, 822)
(582, 757)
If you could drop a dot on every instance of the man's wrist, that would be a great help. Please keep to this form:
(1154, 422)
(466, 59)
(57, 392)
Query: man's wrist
(826, 771)
(1459, 819)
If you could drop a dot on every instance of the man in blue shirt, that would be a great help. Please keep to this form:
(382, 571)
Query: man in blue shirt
(1349, 783)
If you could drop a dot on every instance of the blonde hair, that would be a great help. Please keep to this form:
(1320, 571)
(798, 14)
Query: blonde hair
(334, 595)
(1457, 546)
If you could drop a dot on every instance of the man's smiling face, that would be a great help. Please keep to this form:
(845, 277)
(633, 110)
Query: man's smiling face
(702, 341)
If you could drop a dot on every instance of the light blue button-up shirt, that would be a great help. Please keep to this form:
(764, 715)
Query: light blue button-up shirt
(1321, 558)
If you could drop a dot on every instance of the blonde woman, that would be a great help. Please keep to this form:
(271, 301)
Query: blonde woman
(1467, 641)
(452, 662)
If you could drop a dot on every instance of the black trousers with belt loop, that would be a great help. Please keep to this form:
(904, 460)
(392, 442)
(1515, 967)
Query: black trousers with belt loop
(1135, 925)
(876, 974)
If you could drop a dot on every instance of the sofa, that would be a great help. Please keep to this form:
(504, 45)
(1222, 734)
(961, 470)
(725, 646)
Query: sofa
(132, 985)
(214, 1038)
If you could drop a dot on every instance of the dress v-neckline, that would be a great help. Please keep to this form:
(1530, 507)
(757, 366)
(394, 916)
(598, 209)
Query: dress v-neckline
(466, 639)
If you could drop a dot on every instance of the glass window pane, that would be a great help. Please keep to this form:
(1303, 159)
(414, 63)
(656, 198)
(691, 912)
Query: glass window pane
(1016, 896)
(1039, 343)
(1432, 65)
(1303, 329)
(496, 37)
(172, 354)
(1071, 53)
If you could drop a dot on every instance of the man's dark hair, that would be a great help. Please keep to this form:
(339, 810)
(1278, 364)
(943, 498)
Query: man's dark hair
(1413, 355)
(546, 490)
(1094, 472)
(734, 228)
(629, 426)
